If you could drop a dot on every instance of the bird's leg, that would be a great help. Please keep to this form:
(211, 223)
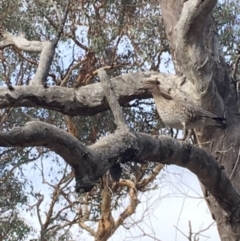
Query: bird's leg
(171, 132)
(176, 134)
(194, 137)
(186, 133)
(189, 135)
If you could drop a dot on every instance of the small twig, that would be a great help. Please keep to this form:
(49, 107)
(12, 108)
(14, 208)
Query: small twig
(56, 10)
(61, 20)
(40, 199)
(203, 230)
(112, 100)
(66, 77)
(23, 57)
(79, 44)
(180, 231)
(190, 231)
(147, 234)
(89, 76)
(224, 151)
(179, 220)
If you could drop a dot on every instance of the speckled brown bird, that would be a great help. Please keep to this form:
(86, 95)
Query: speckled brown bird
(178, 114)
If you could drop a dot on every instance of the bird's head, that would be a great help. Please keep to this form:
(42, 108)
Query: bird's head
(153, 86)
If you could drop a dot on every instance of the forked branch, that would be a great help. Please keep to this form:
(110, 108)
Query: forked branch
(47, 50)
(90, 163)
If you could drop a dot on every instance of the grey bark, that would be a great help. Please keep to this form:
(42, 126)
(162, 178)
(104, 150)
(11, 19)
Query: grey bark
(90, 99)
(197, 55)
(93, 161)
(112, 101)
(46, 50)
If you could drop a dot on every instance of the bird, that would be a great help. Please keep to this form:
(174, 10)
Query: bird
(178, 114)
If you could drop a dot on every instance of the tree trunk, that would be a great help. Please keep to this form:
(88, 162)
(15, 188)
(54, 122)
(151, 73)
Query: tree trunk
(197, 55)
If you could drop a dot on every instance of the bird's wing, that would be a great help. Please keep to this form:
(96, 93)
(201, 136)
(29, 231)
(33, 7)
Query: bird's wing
(190, 105)
(199, 109)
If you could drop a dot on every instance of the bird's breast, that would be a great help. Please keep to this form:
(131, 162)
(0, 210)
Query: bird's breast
(176, 114)
(171, 121)
(170, 115)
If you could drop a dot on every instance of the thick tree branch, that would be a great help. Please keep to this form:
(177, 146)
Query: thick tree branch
(91, 162)
(47, 50)
(45, 61)
(193, 18)
(20, 42)
(90, 99)
(197, 55)
(193, 56)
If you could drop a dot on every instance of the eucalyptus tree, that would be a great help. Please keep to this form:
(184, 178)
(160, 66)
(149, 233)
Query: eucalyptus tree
(53, 58)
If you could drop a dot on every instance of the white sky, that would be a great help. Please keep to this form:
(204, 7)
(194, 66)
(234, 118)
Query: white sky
(177, 201)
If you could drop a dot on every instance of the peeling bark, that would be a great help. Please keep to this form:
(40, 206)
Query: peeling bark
(197, 55)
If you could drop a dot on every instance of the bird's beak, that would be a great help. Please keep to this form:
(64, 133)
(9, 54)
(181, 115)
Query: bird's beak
(148, 84)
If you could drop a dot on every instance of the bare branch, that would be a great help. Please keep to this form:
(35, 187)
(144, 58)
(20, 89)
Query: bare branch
(62, 20)
(235, 166)
(46, 48)
(203, 230)
(112, 100)
(84, 216)
(90, 99)
(143, 183)
(106, 222)
(87, 228)
(40, 200)
(20, 42)
(44, 65)
(90, 163)
(73, 67)
(131, 208)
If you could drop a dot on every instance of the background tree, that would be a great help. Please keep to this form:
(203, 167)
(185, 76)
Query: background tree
(50, 50)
